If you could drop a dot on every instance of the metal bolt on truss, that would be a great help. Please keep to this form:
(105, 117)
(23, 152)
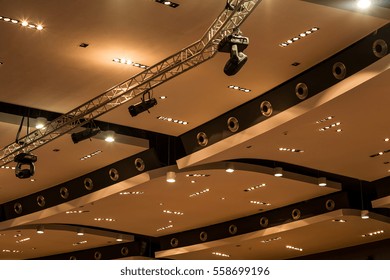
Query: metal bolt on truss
(200, 51)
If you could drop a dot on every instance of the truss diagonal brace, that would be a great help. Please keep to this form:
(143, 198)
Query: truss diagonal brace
(200, 51)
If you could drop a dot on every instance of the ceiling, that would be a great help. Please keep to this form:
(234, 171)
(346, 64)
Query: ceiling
(49, 72)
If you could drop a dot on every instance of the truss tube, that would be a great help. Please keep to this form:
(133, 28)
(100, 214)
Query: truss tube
(172, 66)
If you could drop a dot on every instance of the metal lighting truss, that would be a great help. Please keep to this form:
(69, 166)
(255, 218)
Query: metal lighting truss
(226, 23)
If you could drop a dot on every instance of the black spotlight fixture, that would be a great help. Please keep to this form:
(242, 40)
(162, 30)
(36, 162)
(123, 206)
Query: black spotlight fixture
(25, 167)
(142, 106)
(234, 44)
(85, 134)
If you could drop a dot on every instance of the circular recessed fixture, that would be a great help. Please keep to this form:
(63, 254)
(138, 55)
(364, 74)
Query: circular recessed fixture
(296, 214)
(139, 164)
(174, 242)
(114, 174)
(64, 192)
(301, 91)
(97, 255)
(330, 204)
(233, 124)
(379, 48)
(233, 229)
(202, 139)
(124, 251)
(88, 184)
(263, 222)
(339, 70)
(41, 201)
(203, 236)
(266, 108)
(18, 208)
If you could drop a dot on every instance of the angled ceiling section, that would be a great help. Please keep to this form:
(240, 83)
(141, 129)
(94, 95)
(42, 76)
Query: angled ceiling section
(319, 113)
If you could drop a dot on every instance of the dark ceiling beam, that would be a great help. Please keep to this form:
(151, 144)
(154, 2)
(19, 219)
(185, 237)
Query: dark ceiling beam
(82, 188)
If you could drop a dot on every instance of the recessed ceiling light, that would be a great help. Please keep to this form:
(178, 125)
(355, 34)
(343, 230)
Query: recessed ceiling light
(168, 3)
(163, 97)
(271, 239)
(325, 119)
(260, 203)
(292, 150)
(197, 175)
(173, 212)
(91, 155)
(387, 139)
(199, 193)
(333, 125)
(8, 167)
(255, 187)
(165, 228)
(172, 120)
(23, 23)
(294, 248)
(79, 243)
(129, 62)
(373, 233)
(339, 221)
(76, 212)
(104, 220)
(298, 37)
(380, 153)
(221, 254)
(131, 193)
(239, 88)
(23, 240)
(12, 251)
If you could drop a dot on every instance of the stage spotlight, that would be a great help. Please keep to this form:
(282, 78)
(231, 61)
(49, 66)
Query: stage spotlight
(85, 134)
(143, 106)
(234, 44)
(23, 160)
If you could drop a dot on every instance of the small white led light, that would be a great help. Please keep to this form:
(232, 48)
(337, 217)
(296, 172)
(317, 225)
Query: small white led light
(171, 177)
(322, 181)
(80, 232)
(278, 172)
(364, 214)
(119, 238)
(40, 229)
(109, 136)
(229, 167)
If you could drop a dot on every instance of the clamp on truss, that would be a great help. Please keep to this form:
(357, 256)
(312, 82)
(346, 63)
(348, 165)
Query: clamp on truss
(229, 20)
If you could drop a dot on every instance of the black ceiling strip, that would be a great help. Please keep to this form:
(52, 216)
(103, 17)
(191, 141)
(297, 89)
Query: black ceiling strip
(81, 186)
(318, 78)
(137, 248)
(263, 220)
